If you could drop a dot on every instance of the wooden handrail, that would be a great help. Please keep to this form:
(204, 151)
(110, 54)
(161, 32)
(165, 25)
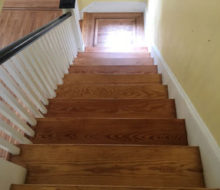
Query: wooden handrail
(15, 47)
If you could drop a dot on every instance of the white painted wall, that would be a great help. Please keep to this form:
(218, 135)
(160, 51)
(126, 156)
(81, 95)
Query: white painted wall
(11, 174)
(125, 6)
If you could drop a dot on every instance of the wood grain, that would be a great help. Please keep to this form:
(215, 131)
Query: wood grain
(112, 50)
(110, 131)
(111, 91)
(92, 187)
(120, 105)
(89, 61)
(111, 79)
(167, 166)
(32, 4)
(139, 108)
(15, 24)
(121, 55)
(119, 69)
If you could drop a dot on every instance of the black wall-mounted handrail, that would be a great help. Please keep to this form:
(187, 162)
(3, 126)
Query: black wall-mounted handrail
(15, 47)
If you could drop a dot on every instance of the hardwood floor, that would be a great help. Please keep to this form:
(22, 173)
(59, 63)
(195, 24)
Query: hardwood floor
(110, 131)
(111, 126)
(167, 166)
(21, 17)
(115, 55)
(42, 4)
(112, 91)
(119, 108)
(113, 61)
(93, 187)
(114, 69)
(112, 79)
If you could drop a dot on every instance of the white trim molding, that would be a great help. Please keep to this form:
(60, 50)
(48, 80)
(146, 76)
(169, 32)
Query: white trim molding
(198, 132)
(11, 174)
(108, 6)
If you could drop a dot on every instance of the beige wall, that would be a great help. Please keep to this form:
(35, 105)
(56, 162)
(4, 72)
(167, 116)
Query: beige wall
(1, 4)
(85, 3)
(187, 33)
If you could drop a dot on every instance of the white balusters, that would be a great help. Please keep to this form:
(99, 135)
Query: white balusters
(18, 92)
(34, 75)
(12, 101)
(25, 80)
(11, 116)
(29, 79)
(5, 145)
(39, 72)
(6, 128)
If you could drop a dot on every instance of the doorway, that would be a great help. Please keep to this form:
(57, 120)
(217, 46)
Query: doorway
(113, 31)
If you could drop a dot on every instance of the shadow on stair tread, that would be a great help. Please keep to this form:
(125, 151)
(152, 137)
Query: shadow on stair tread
(110, 131)
(112, 91)
(108, 108)
(114, 69)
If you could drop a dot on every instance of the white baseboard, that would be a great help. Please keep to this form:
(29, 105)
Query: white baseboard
(198, 132)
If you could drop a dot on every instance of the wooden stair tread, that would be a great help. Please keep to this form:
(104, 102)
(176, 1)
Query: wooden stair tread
(114, 61)
(110, 131)
(113, 50)
(118, 108)
(167, 166)
(92, 187)
(114, 55)
(111, 79)
(111, 126)
(103, 91)
(114, 69)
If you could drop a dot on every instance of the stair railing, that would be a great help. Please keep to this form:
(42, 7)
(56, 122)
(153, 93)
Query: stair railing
(30, 71)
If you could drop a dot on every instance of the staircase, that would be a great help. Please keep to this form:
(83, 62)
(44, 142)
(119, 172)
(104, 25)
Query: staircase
(111, 126)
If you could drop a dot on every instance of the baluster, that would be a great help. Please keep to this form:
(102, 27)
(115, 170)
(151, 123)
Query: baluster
(42, 65)
(6, 95)
(18, 92)
(25, 81)
(58, 49)
(33, 74)
(5, 145)
(41, 77)
(55, 54)
(53, 64)
(71, 38)
(59, 40)
(66, 41)
(63, 43)
(13, 133)
(10, 115)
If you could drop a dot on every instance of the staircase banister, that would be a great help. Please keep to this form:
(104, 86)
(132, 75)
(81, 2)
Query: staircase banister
(15, 47)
